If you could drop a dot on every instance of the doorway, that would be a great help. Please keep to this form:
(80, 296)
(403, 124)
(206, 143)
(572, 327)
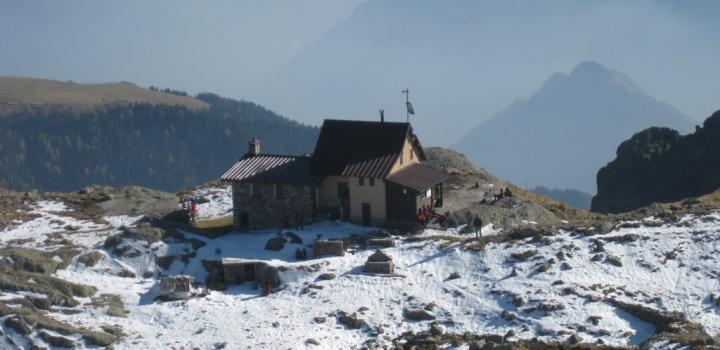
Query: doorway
(366, 214)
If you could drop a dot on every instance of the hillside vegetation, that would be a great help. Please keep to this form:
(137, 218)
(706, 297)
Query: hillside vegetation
(167, 147)
(19, 94)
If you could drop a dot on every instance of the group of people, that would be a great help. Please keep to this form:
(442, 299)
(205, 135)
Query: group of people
(299, 221)
(189, 204)
(424, 215)
(300, 254)
(498, 196)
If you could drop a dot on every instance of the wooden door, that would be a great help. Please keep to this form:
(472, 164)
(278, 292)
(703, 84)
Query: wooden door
(366, 214)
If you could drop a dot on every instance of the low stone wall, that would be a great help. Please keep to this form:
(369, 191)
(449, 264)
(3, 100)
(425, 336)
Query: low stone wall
(328, 248)
(240, 271)
(382, 242)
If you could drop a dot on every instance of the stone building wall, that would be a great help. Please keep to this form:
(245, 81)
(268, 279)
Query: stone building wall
(265, 204)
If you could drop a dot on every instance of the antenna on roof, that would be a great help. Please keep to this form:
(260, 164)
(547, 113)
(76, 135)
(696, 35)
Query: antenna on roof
(382, 115)
(409, 108)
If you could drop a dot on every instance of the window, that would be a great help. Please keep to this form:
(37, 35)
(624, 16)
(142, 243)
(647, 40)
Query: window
(372, 181)
(361, 181)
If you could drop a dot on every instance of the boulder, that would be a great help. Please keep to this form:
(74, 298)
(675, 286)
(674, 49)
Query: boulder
(276, 243)
(418, 315)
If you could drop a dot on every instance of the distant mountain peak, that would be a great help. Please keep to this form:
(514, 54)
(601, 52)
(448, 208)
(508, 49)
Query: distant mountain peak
(596, 72)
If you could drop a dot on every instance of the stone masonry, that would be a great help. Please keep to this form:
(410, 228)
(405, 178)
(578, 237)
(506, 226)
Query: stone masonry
(265, 204)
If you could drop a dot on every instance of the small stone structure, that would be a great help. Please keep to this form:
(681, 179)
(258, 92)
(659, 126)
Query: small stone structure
(176, 287)
(325, 248)
(379, 262)
(381, 242)
(237, 271)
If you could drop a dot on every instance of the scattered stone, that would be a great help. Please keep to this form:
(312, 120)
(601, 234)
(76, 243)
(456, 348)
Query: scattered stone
(418, 315)
(18, 324)
(126, 273)
(565, 266)
(326, 276)
(276, 243)
(597, 257)
(595, 320)
(436, 330)
(574, 339)
(544, 267)
(454, 276)
(524, 256)
(319, 319)
(57, 341)
(614, 260)
(518, 301)
(351, 321)
(90, 259)
(312, 342)
(294, 238)
(514, 272)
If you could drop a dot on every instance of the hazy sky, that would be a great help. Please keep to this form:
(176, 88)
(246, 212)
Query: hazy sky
(215, 46)
(464, 60)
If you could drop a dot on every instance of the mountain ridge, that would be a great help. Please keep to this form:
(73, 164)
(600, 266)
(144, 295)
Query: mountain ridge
(562, 134)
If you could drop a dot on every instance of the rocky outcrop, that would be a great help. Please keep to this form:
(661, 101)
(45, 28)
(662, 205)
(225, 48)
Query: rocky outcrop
(660, 165)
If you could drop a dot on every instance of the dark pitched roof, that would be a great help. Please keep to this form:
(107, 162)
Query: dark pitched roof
(282, 169)
(418, 177)
(359, 148)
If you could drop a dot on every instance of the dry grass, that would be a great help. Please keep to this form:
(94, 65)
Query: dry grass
(18, 94)
(214, 223)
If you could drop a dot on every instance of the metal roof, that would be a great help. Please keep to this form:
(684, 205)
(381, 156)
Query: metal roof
(360, 148)
(418, 177)
(283, 169)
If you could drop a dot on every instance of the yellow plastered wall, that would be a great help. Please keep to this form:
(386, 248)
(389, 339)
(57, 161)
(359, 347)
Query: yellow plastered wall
(410, 155)
(375, 195)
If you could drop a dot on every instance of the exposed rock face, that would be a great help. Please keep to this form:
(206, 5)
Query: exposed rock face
(660, 165)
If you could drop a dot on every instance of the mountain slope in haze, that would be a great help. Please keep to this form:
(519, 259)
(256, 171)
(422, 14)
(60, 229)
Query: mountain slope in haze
(166, 147)
(658, 165)
(19, 94)
(569, 129)
(464, 60)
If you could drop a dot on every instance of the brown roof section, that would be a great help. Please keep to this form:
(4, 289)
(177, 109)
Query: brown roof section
(360, 148)
(270, 168)
(418, 177)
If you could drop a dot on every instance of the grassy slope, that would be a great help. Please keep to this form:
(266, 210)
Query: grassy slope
(18, 94)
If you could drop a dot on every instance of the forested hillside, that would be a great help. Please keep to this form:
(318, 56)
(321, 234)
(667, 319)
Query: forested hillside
(159, 146)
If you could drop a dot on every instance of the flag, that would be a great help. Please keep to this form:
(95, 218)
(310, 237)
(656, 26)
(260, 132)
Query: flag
(410, 109)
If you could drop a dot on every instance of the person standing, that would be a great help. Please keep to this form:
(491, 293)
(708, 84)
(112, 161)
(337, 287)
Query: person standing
(477, 222)
(285, 222)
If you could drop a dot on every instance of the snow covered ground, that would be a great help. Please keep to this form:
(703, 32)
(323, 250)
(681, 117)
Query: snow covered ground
(217, 202)
(670, 267)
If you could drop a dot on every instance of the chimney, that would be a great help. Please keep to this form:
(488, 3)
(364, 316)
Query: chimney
(382, 115)
(254, 146)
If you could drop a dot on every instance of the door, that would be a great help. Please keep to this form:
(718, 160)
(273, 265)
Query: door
(244, 219)
(344, 195)
(366, 217)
